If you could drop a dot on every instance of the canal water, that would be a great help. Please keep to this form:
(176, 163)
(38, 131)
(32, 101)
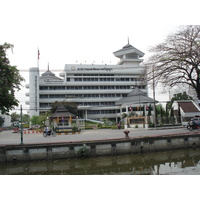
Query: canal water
(175, 162)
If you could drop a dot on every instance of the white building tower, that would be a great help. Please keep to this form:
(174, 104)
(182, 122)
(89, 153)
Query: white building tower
(33, 91)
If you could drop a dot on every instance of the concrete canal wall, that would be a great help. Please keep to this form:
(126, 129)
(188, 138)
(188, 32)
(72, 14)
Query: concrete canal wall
(29, 152)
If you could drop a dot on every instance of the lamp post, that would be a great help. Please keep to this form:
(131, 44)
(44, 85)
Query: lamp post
(21, 125)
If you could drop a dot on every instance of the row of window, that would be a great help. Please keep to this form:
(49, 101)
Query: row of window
(73, 96)
(93, 74)
(47, 105)
(99, 79)
(110, 87)
(92, 112)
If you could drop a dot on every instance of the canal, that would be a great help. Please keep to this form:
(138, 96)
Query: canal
(175, 162)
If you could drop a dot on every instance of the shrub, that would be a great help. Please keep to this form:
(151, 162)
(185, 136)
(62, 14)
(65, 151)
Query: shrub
(99, 125)
(83, 151)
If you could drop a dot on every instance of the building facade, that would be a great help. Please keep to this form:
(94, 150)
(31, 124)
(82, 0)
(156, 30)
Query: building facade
(7, 120)
(95, 88)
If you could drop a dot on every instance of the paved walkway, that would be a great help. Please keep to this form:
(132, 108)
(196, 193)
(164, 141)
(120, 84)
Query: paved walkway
(9, 138)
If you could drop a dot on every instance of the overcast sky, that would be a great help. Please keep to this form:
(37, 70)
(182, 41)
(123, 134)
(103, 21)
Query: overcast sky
(86, 31)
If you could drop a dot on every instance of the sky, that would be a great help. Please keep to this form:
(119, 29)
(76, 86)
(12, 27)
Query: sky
(86, 31)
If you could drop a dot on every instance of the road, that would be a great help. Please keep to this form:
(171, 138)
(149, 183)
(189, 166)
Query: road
(9, 138)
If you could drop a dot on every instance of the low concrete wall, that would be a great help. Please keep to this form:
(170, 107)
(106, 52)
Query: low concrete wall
(10, 153)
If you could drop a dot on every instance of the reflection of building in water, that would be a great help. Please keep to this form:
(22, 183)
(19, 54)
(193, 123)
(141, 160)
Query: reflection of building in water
(148, 163)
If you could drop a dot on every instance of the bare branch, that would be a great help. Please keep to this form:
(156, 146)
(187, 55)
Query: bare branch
(177, 59)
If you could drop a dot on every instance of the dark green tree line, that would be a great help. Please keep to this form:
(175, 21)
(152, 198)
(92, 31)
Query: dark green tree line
(10, 81)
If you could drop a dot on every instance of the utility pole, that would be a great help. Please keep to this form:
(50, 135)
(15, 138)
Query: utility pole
(154, 100)
(21, 125)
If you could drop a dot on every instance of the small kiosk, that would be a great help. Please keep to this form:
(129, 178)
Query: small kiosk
(62, 120)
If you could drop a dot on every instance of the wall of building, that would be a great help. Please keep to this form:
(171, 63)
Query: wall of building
(7, 120)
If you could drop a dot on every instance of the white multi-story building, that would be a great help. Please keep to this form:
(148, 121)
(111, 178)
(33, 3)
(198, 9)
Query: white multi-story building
(95, 88)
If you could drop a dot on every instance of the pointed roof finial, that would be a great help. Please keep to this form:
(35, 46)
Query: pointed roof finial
(128, 40)
(48, 67)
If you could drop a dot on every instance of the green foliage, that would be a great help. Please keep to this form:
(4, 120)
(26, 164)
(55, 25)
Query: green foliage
(149, 110)
(124, 115)
(74, 129)
(1, 121)
(99, 125)
(25, 125)
(25, 118)
(83, 151)
(35, 120)
(160, 111)
(15, 117)
(151, 124)
(10, 81)
(132, 113)
(38, 120)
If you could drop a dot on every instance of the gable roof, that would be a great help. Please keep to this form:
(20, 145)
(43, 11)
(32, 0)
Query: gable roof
(49, 75)
(62, 112)
(128, 49)
(135, 97)
(188, 106)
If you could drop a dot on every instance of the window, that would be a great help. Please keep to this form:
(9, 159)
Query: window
(43, 87)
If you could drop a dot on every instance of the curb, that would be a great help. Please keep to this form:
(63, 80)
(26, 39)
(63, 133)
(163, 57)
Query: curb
(74, 133)
(32, 132)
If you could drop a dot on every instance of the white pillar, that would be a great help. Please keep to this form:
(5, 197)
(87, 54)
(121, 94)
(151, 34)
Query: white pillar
(86, 114)
(126, 109)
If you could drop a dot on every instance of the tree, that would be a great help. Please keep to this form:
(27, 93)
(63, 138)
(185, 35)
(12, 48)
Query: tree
(177, 60)
(38, 120)
(1, 121)
(25, 118)
(35, 120)
(15, 117)
(160, 111)
(10, 80)
(149, 110)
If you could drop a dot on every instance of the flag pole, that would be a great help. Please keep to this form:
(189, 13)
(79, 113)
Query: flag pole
(38, 58)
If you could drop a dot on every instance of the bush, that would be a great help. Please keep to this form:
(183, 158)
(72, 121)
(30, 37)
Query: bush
(99, 125)
(151, 124)
(74, 129)
(83, 151)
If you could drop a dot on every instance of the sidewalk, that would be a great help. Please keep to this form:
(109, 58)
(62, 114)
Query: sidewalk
(8, 138)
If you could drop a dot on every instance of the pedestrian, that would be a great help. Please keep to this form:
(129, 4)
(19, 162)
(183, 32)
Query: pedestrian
(46, 129)
(119, 126)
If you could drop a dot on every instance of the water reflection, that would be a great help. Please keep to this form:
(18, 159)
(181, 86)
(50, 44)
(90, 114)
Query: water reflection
(186, 161)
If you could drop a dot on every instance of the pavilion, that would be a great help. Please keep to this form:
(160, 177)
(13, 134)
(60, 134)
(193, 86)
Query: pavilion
(138, 102)
(62, 118)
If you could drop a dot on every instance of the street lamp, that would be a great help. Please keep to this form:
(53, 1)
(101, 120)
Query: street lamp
(21, 125)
